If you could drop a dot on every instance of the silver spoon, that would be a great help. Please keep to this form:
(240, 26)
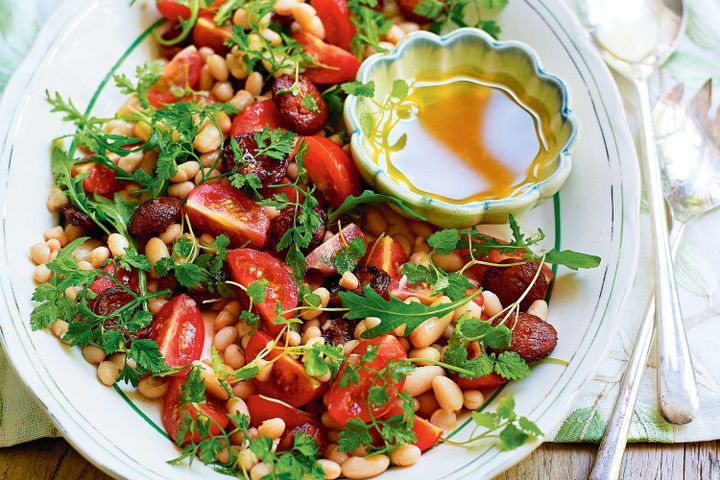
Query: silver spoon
(691, 182)
(634, 38)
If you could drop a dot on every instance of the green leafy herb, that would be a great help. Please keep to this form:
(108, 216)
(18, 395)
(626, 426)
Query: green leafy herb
(393, 312)
(348, 257)
(369, 197)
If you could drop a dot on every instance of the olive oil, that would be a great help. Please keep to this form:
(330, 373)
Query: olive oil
(461, 139)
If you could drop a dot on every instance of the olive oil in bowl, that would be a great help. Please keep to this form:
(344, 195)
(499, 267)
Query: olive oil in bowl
(461, 139)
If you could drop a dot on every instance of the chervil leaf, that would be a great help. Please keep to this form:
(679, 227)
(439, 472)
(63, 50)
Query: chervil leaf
(354, 435)
(488, 420)
(417, 273)
(257, 290)
(511, 366)
(512, 437)
(348, 257)
(188, 274)
(444, 241)
(498, 337)
(506, 407)
(359, 89)
(456, 286)
(400, 89)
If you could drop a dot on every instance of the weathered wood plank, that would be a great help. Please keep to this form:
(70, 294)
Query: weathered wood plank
(54, 459)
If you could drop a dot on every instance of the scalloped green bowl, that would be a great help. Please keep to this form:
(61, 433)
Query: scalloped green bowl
(468, 52)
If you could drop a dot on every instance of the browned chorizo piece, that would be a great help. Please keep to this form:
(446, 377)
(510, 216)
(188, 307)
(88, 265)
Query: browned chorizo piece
(283, 222)
(300, 104)
(366, 275)
(532, 338)
(155, 216)
(245, 159)
(338, 331)
(509, 283)
(75, 216)
(110, 300)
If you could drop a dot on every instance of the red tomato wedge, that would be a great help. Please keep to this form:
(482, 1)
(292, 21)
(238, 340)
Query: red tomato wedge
(338, 65)
(172, 10)
(427, 434)
(331, 170)
(100, 179)
(486, 382)
(288, 381)
(292, 194)
(256, 117)
(335, 17)
(219, 209)
(264, 408)
(207, 34)
(182, 71)
(322, 257)
(248, 265)
(128, 278)
(173, 413)
(179, 330)
(351, 401)
(387, 255)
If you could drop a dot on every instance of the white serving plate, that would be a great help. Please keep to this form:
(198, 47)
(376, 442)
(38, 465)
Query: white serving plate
(596, 211)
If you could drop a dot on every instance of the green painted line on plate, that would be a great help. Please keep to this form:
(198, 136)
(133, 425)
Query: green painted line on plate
(140, 412)
(103, 83)
(112, 71)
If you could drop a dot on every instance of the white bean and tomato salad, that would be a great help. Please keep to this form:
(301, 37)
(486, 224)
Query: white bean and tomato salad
(217, 251)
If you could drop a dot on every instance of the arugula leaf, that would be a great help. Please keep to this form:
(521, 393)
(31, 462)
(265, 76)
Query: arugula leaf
(393, 312)
(370, 197)
(571, 259)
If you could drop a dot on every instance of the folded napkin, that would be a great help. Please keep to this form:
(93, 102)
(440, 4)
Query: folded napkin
(698, 58)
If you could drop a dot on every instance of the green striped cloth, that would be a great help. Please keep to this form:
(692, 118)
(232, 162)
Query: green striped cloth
(698, 58)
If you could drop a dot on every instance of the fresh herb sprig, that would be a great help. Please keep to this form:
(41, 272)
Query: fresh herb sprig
(447, 14)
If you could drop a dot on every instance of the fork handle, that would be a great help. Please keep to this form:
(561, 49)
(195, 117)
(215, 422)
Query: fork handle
(677, 390)
(610, 454)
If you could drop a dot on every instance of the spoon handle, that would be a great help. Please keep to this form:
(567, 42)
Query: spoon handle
(610, 454)
(677, 391)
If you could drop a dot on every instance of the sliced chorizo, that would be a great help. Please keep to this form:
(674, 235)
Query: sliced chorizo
(509, 283)
(155, 216)
(246, 159)
(300, 103)
(532, 338)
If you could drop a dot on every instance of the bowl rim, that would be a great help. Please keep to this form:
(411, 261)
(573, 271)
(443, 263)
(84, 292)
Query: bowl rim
(531, 195)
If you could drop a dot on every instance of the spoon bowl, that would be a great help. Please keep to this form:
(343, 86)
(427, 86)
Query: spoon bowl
(689, 146)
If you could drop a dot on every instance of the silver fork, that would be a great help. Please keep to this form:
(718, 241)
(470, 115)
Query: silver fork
(689, 146)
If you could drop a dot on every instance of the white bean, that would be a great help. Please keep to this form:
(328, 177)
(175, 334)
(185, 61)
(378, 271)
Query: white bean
(539, 308)
(447, 393)
(405, 455)
(365, 467)
(420, 380)
(491, 303)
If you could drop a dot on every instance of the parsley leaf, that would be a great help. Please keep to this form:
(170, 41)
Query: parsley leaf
(348, 257)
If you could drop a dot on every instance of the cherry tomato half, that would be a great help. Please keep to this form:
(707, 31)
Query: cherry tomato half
(331, 170)
(263, 408)
(322, 257)
(426, 433)
(179, 330)
(100, 179)
(351, 401)
(219, 209)
(172, 10)
(173, 412)
(248, 265)
(335, 17)
(182, 71)
(256, 117)
(207, 34)
(388, 255)
(338, 65)
(288, 381)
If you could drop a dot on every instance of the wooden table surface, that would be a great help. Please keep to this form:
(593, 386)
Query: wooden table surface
(54, 459)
